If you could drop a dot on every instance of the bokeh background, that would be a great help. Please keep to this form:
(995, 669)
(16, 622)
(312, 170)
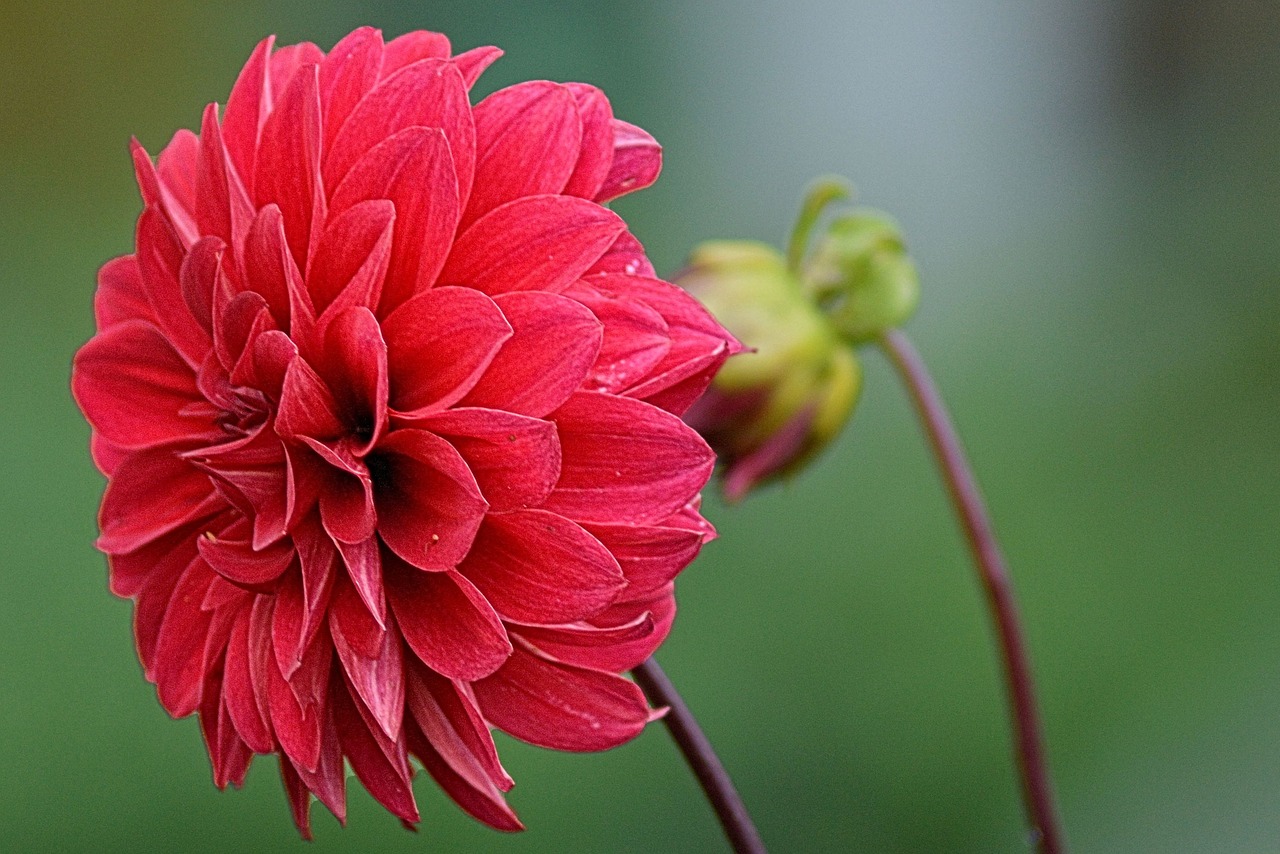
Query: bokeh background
(1092, 192)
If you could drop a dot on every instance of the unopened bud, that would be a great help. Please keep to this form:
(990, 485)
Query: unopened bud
(861, 277)
(769, 410)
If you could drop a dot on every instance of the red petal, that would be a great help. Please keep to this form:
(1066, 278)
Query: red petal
(561, 707)
(159, 260)
(133, 386)
(287, 171)
(439, 344)
(288, 61)
(515, 459)
(553, 344)
(355, 366)
(595, 155)
(363, 560)
(179, 657)
(247, 108)
(379, 681)
(429, 506)
(270, 270)
(481, 800)
(626, 255)
(537, 567)
(650, 555)
(635, 339)
(413, 47)
(121, 295)
(414, 170)
(428, 93)
(223, 208)
(228, 753)
(473, 62)
(237, 561)
(350, 261)
(167, 555)
(613, 648)
(299, 798)
(637, 160)
(533, 243)
(446, 713)
(199, 275)
(386, 778)
(625, 461)
(152, 492)
(347, 74)
(447, 623)
(287, 630)
(527, 142)
(328, 781)
(307, 406)
(238, 690)
(177, 172)
(297, 730)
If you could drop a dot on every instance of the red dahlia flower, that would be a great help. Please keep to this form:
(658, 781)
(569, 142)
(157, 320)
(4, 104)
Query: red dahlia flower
(388, 404)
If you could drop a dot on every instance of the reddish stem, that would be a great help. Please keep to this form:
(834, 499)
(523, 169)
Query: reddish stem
(698, 752)
(1037, 790)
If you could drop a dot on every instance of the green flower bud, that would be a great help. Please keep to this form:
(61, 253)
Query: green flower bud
(861, 277)
(772, 409)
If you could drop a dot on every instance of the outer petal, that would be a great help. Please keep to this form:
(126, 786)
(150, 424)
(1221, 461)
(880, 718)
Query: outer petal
(637, 160)
(527, 142)
(347, 74)
(554, 341)
(595, 156)
(385, 776)
(177, 670)
(121, 294)
(378, 680)
(555, 705)
(133, 386)
(447, 622)
(482, 800)
(287, 170)
(446, 713)
(414, 170)
(152, 492)
(439, 344)
(651, 556)
(535, 243)
(537, 567)
(625, 461)
(248, 106)
(429, 93)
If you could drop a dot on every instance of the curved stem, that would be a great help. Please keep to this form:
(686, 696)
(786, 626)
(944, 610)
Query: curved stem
(1036, 788)
(702, 759)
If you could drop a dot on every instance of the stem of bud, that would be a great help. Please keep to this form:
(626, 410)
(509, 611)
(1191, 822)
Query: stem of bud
(1037, 790)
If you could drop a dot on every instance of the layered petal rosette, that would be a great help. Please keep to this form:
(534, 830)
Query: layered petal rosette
(388, 403)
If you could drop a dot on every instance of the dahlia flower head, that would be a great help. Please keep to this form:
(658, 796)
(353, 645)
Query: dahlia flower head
(389, 407)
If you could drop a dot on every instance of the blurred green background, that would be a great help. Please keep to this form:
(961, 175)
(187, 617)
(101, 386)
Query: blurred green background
(1092, 192)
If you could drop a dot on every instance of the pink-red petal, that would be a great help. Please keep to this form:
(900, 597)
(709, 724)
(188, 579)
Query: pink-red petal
(538, 567)
(533, 243)
(559, 706)
(447, 622)
(554, 342)
(439, 344)
(625, 461)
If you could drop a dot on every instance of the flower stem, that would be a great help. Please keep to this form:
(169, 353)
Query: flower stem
(698, 752)
(963, 488)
